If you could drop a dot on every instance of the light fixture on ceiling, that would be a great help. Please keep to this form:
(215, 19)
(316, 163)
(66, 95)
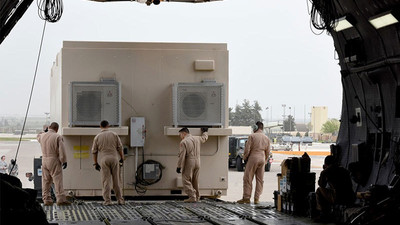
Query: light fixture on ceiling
(344, 23)
(383, 20)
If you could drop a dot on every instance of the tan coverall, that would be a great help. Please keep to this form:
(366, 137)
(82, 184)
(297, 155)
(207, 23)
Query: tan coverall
(53, 156)
(108, 145)
(189, 161)
(256, 153)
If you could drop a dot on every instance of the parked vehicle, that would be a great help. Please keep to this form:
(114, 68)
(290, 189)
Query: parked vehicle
(236, 150)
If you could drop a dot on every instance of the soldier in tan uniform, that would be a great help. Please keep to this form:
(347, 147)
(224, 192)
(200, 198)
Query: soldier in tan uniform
(189, 162)
(106, 148)
(53, 161)
(256, 154)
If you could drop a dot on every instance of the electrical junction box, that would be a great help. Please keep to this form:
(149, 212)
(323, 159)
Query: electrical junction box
(358, 114)
(151, 171)
(138, 131)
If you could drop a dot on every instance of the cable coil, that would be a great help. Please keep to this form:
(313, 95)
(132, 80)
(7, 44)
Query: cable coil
(323, 14)
(50, 10)
(141, 183)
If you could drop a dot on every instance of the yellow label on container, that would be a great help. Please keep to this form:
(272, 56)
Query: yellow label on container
(81, 155)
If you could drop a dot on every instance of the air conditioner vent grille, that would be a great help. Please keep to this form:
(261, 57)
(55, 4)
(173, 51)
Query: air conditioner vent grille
(92, 102)
(198, 104)
(88, 106)
(193, 104)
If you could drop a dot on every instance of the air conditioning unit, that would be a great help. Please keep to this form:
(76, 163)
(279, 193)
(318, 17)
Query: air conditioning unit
(198, 104)
(92, 102)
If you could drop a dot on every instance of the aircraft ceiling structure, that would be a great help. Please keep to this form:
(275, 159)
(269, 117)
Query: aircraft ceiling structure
(10, 12)
(366, 38)
(156, 2)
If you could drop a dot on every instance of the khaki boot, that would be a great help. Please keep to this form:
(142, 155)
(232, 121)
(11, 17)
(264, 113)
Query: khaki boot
(48, 204)
(244, 201)
(256, 201)
(121, 202)
(106, 203)
(63, 203)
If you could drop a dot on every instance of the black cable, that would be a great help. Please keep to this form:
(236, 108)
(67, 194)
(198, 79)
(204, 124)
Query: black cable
(141, 183)
(323, 14)
(348, 115)
(363, 107)
(50, 10)
(30, 97)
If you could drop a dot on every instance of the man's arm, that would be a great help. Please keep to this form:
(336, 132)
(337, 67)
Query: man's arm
(95, 158)
(247, 148)
(120, 148)
(95, 150)
(39, 136)
(61, 149)
(204, 137)
(267, 150)
(322, 181)
(181, 155)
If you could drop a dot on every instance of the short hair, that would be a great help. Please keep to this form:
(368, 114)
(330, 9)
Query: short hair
(184, 130)
(12, 161)
(329, 160)
(3, 156)
(260, 125)
(54, 126)
(104, 123)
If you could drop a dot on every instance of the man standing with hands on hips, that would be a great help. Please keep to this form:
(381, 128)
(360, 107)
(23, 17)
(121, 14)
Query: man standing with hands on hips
(256, 154)
(106, 148)
(189, 162)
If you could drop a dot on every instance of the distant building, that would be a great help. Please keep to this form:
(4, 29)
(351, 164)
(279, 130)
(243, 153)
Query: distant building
(301, 127)
(319, 115)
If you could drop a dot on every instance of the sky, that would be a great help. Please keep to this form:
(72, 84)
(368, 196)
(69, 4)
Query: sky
(274, 57)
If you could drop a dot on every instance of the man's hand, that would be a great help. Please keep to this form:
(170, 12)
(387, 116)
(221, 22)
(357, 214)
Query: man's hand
(204, 129)
(97, 166)
(121, 162)
(64, 166)
(178, 170)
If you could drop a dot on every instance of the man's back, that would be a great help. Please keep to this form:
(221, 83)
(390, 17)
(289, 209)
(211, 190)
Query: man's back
(338, 178)
(107, 143)
(52, 145)
(192, 144)
(257, 143)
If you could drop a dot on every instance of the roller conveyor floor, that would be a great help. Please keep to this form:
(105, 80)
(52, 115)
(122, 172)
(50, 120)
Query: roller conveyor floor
(204, 212)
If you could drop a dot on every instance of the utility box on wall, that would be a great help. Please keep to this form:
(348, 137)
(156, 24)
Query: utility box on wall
(138, 131)
(149, 119)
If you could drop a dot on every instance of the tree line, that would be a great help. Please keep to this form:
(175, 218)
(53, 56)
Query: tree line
(247, 114)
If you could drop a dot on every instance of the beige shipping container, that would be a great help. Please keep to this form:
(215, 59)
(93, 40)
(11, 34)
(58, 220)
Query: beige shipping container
(146, 73)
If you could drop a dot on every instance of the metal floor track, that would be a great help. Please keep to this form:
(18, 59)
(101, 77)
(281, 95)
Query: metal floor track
(169, 213)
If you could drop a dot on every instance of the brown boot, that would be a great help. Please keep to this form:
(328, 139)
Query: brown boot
(106, 203)
(244, 201)
(63, 203)
(48, 204)
(256, 201)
